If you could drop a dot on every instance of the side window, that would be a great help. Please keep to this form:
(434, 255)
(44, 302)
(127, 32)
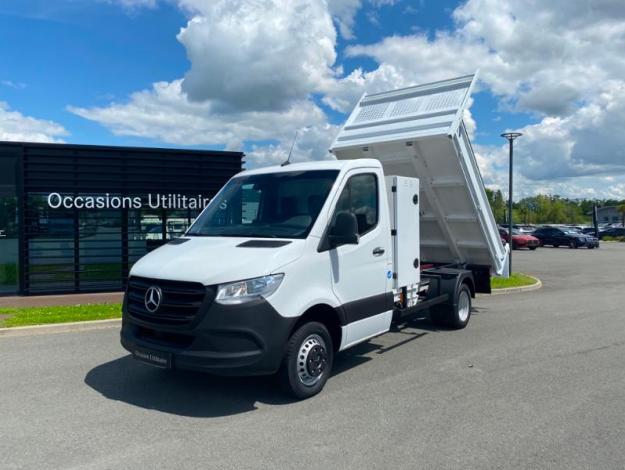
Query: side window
(360, 197)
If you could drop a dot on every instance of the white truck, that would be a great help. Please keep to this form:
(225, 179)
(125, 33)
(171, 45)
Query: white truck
(289, 265)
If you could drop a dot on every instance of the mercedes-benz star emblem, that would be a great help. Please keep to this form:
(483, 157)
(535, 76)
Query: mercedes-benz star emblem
(152, 299)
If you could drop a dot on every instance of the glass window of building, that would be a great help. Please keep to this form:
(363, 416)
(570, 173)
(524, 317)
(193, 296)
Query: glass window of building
(8, 226)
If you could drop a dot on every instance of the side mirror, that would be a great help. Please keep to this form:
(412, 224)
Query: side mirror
(344, 231)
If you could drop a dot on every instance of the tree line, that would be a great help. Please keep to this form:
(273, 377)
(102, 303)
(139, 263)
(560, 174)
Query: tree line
(545, 209)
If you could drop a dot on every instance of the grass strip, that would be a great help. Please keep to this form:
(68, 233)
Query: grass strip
(25, 316)
(516, 280)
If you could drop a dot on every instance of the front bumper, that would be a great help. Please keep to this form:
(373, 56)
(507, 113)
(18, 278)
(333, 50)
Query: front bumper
(245, 339)
(594, 243)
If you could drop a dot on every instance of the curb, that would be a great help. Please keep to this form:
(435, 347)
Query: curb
(513, 290)
(60, 328)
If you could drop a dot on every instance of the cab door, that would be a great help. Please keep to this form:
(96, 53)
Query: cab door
(360, 272)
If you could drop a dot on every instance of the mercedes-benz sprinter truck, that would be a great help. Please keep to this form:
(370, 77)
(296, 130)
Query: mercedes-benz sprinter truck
(289, 265)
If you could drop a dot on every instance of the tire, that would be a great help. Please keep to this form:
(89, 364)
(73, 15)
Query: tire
(455, 316)
(591, 247)
(556, 245)
(573, 244)
(532, 247)
(304, 377)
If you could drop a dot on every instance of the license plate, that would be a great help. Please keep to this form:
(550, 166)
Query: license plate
(154, 358)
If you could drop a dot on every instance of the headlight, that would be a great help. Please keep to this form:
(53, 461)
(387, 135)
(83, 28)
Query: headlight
(250, 289)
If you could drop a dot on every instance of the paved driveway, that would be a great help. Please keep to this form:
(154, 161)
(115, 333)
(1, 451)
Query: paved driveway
(537, 380)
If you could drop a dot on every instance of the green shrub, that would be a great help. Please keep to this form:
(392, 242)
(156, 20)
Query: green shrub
(608, 238)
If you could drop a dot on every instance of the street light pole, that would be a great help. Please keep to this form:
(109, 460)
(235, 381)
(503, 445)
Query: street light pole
(510, 136)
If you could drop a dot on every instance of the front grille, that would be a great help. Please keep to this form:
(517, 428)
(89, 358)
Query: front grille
(179, 305)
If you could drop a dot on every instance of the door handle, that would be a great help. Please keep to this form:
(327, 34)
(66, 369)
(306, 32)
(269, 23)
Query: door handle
(378, 251)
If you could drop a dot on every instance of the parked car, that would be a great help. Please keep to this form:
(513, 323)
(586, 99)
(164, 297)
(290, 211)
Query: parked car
(556, 237)
(589, 230)
(520, 240)
(524, 228)
(612, 232)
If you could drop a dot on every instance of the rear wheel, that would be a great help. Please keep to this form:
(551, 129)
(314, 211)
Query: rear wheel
(556, 245)
(455, 315)
(308, 360)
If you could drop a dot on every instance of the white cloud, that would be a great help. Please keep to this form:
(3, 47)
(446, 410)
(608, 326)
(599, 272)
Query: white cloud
(546, 55)
(344, 12)
(165, 113)
(312, 143)
(493, 163)
(133, 5)
(14, 85)
(587, 143)
(257, 55)
(14, 126)
(580, 155)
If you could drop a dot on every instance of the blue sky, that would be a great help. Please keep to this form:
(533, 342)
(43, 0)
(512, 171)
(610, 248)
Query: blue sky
(173, 73)
(86, 54)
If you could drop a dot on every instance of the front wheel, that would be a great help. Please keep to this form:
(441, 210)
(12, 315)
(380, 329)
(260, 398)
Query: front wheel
(455, 316)
(308, 360)
(573, 244)
(533, 248)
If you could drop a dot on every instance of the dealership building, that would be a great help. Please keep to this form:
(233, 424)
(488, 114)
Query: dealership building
(74, 218)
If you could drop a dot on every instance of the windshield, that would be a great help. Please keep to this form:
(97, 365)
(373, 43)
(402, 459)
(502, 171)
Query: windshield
(273, 205)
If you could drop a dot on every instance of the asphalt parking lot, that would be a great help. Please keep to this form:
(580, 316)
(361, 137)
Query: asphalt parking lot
(537, 380)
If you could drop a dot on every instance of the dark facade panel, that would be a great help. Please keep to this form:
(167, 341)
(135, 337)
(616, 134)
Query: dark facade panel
(87, 213)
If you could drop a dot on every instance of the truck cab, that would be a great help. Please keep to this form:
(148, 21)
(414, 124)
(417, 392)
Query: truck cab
(288, 265)
(276, 248)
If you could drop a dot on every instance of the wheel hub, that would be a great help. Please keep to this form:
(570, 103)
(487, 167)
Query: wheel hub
(317, 360)
(312, 360)
(464, 306)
